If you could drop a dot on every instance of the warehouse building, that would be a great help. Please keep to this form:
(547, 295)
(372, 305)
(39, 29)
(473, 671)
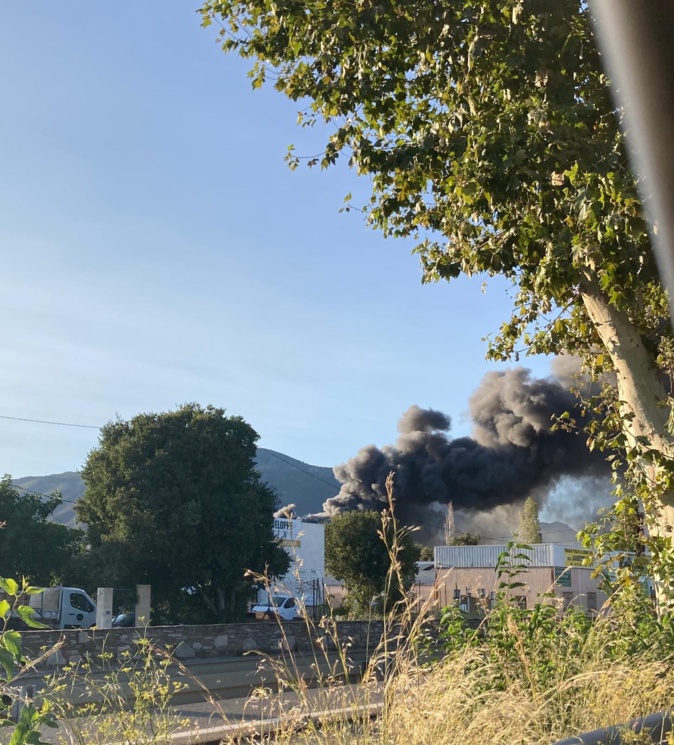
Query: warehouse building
(467, 575)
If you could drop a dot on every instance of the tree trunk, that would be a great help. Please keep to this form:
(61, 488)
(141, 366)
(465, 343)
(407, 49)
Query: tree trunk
(207, 601)
(221, 604)
(642, 395)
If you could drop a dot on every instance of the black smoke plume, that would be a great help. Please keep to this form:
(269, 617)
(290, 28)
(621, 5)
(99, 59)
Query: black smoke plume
(514, 452)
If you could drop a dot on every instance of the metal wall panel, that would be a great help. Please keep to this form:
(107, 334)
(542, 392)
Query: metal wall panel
(541, 555)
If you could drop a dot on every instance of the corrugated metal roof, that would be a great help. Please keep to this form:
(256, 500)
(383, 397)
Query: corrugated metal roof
(540, 555)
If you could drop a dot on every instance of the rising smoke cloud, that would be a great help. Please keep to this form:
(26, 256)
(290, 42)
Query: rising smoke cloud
(513, 453)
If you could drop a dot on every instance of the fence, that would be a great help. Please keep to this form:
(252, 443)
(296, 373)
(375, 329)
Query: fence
(655, 727)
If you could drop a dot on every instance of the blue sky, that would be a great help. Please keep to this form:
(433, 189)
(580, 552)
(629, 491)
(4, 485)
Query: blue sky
(157, 250)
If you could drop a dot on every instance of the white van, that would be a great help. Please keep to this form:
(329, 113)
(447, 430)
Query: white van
(64, 608)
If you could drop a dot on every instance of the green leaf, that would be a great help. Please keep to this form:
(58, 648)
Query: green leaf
(5, 608)
(10, 586)
(7, 661)
(35, 738)
(27, 615)
(151, 449)
(33, 590)
(11, 640)
(27, 729)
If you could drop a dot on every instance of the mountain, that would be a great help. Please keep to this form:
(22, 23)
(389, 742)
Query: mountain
(558, 532)
(296, 482)
(304, 485)
(70, 485)
(301, 484)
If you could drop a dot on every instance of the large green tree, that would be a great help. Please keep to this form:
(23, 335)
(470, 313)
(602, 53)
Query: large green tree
(173, 500)
(489, 136)
(360, 548)
(31, 546)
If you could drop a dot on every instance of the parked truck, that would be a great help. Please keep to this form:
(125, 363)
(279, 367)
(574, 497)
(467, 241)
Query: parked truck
(64, 608)
(284, 607)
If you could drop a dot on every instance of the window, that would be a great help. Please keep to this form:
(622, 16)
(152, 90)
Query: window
(567, 598)
(79, 602)
(591, 600)
(289, 603)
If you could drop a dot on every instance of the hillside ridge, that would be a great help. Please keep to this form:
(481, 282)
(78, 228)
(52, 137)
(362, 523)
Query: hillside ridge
(302, 484)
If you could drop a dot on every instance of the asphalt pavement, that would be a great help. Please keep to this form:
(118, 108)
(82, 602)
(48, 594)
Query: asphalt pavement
(207, 722)
(223, 692)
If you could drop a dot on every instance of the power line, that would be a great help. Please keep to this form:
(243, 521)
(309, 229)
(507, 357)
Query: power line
(93, 426)
(44, 421)
(38, 494)
(294, 465)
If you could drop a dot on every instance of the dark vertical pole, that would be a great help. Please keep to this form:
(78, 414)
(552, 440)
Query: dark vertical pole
(636, 39)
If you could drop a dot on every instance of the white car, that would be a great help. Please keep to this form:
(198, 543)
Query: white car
(284, 607)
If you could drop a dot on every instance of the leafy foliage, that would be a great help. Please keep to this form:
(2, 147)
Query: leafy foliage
(30, 545)
(358, 553)
(31, 717)
(464, 539)
(487, 124)
(543, 647)
(426, 553)
(489, 137)
(173, 500)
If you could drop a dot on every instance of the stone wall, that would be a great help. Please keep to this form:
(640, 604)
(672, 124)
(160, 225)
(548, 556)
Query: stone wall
(188, 642)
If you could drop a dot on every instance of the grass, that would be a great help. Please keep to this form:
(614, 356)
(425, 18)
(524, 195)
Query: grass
(475, 696)
(523, 677)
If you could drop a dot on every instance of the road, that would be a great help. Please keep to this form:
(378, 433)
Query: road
(207, 723)
(226, 677)
(225, 691)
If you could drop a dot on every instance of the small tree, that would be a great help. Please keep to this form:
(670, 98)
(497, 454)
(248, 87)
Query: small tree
(357, 553)
(465, 539)
(530, 526)
(426, 553)
(32, 719)
(174, 500)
